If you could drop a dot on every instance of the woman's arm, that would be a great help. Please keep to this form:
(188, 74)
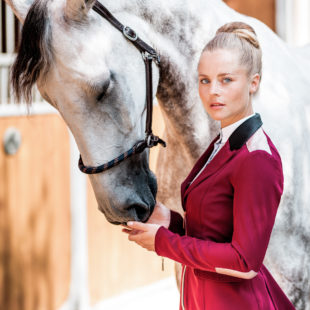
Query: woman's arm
(258, 186)
(176, 224)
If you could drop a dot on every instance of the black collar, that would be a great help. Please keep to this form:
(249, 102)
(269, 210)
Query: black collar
(242, 133)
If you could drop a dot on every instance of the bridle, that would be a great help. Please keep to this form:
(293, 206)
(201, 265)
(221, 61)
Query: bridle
(149, 55)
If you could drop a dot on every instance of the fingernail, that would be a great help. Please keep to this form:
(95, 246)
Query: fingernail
(129, 223)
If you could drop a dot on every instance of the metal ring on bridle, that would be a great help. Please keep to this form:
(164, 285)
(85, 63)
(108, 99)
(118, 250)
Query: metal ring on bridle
(149, 141)
(126, 33)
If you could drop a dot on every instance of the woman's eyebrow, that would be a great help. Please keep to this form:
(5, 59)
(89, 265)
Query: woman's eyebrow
(221, 74)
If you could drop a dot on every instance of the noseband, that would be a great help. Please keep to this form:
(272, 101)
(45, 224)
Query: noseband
(149, 55)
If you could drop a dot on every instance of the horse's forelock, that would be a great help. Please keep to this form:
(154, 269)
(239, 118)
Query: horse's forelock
(35, 51)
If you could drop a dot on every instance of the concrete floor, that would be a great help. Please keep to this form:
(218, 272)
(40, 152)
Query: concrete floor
(162, 295)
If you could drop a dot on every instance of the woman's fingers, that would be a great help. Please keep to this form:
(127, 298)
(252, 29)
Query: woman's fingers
(130, 231)
(141, 233)
(127, 231)
(137, 226)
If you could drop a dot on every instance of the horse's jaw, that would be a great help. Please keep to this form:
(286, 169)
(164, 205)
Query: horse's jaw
(126, 192)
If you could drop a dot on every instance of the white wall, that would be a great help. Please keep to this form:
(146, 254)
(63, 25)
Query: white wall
(293, 21)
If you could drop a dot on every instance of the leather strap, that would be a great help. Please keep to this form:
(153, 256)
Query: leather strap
(129, 33)
(149, 91)
(149, 55)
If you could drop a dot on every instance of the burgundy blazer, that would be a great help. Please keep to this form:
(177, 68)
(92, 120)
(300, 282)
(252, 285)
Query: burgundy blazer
(230, 210)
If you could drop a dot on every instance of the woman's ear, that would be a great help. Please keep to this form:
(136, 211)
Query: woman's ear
(254, 83)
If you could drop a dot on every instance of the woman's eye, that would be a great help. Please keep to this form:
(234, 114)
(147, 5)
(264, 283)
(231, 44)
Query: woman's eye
(204, 81)
(227, 80)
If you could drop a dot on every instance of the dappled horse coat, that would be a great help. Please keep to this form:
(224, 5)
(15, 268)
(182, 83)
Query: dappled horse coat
(230, 209)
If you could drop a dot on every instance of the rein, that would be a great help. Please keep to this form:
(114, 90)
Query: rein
(149, 55)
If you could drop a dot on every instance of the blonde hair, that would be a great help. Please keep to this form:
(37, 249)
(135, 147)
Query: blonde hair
(241, 37)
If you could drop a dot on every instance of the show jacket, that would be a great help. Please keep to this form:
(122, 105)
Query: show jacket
(230, 209)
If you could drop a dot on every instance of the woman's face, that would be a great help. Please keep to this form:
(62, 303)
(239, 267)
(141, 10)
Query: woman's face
(224, 86)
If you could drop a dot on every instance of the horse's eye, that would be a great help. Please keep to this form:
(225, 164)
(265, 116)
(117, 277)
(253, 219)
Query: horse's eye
(104, 90)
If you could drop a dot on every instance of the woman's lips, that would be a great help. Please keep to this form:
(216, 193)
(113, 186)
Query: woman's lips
(216, 105)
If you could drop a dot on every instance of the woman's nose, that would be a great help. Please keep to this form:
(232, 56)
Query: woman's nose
(215, 88)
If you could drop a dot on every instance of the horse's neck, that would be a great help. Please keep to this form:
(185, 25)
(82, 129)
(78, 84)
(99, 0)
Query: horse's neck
(178, 30)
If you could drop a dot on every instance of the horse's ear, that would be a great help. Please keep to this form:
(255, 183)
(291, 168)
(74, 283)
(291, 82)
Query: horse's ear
(20, 8)
(78, 9)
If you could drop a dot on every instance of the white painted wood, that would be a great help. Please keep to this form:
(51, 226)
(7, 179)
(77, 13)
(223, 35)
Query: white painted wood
(10, 34)
(293, 21)
(7, 105)
(1, 6)
(3, 86)
(281, 18)
(162, 295)
(6, 59)
(79, 292)
(7, 109)
(5, 83)
(302, 22)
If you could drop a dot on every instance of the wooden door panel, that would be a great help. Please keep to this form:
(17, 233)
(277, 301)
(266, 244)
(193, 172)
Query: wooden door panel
(35, 215)
(263, 10)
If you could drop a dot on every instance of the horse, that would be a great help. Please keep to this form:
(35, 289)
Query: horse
(95, 78)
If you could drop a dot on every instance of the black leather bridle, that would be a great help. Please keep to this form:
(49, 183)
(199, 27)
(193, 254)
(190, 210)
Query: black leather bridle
(149, 55)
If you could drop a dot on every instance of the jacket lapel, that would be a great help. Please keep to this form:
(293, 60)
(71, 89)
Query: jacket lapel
(236, 140)
(199, 164)
(215, 164)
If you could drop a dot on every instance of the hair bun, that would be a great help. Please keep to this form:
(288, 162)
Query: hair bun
(243, 30)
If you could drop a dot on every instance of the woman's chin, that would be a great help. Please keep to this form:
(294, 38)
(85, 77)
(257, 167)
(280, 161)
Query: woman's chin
(217, 115)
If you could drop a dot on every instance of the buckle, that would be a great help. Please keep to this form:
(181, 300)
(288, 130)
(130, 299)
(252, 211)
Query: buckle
(146, 55)
(152, 140)
(130, 34)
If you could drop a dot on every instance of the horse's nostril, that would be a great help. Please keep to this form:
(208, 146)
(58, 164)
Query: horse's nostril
(139, 212)
(142, 213)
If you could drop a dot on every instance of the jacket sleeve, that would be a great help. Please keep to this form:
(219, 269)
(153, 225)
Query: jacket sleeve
(258, 186)
(176, 223)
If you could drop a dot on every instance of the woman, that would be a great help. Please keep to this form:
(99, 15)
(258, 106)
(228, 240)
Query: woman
(232, 194)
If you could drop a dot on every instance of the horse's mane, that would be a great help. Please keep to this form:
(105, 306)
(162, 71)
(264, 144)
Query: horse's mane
(35, 51)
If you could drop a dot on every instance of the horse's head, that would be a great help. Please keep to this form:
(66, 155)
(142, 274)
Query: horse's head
(96, 80)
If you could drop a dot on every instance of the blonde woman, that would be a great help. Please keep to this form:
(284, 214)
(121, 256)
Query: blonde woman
(231, 196)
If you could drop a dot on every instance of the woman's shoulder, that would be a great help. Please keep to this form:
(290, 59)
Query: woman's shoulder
(260, 141)
(259, 145)
(258, 152)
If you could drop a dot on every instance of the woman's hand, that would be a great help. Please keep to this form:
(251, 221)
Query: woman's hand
(144, 233)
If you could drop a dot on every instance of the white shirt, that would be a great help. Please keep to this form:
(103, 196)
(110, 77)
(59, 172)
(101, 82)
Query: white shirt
(225, 133)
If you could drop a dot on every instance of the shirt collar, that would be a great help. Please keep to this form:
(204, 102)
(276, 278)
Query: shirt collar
(226, 132)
